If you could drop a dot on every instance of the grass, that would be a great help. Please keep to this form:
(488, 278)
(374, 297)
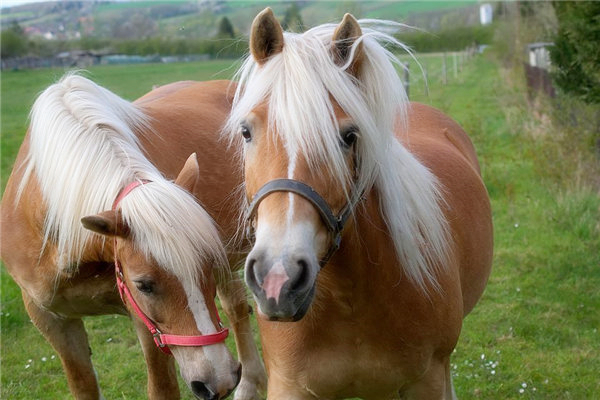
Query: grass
(534, 334)
(535, 331)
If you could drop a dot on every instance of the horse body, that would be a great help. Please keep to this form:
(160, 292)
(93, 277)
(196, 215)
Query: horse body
(381, 317)
(370, 332)
(192, 122)
(57, 295)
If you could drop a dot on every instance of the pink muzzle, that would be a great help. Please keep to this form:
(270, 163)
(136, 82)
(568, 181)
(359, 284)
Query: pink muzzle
(162, 340)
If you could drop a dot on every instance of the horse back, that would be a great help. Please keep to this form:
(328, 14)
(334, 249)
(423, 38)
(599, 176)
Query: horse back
(444, 147)
(188, 117)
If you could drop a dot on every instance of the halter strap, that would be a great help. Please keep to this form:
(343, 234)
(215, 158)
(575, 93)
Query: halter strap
(335, 224)
(162, 340)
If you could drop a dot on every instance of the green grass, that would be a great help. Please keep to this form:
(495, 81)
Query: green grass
(537, 323)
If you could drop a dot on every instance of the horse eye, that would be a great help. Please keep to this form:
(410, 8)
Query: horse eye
(145, 286)
(349, 136)
(246, 133)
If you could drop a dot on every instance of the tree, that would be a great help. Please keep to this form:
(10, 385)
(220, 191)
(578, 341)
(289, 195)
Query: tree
(575, 54)
(225, 29)
(292, 21)
(13, 42)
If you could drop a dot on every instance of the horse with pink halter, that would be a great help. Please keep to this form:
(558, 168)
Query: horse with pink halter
(372, 226)
(103, 200)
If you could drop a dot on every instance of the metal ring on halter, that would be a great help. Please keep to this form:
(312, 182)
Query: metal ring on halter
(156, 335)
(335, 224)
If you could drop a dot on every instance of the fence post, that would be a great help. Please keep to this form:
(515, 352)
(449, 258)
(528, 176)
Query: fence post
(444, 70)
(455, 66)
(407, 79)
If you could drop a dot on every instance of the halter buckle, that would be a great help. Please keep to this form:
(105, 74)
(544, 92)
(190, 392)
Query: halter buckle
(337, 240)
(156, 335)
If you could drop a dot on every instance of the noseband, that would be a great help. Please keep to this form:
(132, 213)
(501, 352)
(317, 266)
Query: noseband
(334, 223)
(162, 340)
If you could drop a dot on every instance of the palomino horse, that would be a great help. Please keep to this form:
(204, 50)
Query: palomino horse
(335, 156)
(91, 156)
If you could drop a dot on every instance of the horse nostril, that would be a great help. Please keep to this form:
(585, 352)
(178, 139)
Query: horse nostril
(252, 278)
(202, 391)
(301, 278)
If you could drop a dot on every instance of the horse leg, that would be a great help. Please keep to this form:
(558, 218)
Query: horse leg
(235, 304)
(436, 383)
(162, 375)
(68, 337)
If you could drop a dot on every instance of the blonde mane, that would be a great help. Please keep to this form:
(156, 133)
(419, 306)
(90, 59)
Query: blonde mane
(83, 151)
(299, 83)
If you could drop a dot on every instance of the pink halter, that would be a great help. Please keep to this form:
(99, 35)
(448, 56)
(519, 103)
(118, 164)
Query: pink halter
(162, 340)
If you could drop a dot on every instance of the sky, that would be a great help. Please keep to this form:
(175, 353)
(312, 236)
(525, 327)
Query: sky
(11, 3)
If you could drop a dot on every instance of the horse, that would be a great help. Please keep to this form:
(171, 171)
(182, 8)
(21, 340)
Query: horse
(105, 213)
(371, 224)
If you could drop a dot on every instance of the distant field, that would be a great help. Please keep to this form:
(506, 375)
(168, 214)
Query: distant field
(179, 18)
(20, 88)
(534, 335)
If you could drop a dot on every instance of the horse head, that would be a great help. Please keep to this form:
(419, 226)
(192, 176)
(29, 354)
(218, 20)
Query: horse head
(151, 291)
(301, 159)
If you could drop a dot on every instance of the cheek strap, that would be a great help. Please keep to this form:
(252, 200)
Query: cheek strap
(334, 223)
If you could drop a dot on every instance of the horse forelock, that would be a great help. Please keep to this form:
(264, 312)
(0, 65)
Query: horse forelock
(301, 86)
(168, 225)
(83, 151)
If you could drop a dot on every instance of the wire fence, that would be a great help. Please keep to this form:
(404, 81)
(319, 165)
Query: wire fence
(434, 67)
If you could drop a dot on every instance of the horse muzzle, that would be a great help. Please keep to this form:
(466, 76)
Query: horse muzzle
(283, 289)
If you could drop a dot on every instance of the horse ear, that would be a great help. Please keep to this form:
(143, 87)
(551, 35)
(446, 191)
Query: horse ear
(107, 223)
(266, 36)
(189, 174)
(345, 35)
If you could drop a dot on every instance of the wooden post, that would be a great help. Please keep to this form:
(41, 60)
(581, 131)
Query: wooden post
(444, 70)
(407, 79)
(455, 65)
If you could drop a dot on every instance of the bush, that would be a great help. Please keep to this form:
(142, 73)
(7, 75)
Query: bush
(13, 42)
(575, 52)
(222, 48)
(449, 39)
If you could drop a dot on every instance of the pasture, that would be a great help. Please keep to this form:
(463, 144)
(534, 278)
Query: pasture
(533, 335)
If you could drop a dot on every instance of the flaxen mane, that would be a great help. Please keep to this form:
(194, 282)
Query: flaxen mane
(83, 151)
(299, 84)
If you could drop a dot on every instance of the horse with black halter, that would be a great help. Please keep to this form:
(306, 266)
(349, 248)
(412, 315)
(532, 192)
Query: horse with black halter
(372, 226)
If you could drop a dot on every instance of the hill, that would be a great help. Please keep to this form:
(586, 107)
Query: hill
(185, 19)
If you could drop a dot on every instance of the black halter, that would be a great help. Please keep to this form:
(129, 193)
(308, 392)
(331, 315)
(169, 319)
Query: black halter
(335, 224)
